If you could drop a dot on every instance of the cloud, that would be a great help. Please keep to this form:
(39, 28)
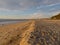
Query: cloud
(24, 4)
(37, 15)
(29, 8)
(49, 2)
(17, 4)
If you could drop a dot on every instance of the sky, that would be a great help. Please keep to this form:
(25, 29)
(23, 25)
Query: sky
(27, 9)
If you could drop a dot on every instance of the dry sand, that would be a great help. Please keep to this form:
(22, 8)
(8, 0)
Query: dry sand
(34, 32)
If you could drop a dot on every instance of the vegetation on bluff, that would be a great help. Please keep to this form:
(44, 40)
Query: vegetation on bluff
(56, 16)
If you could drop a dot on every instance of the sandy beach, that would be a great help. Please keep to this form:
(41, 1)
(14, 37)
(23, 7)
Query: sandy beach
(33, 32)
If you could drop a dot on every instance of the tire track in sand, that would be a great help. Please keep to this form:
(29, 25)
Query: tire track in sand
(26, 34)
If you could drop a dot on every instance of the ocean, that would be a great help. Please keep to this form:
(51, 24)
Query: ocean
(11, 21)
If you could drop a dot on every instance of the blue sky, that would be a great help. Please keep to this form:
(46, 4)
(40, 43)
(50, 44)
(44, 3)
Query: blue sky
(24, 9)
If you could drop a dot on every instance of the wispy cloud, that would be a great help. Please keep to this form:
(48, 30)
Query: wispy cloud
(25, 4)
(30, 8)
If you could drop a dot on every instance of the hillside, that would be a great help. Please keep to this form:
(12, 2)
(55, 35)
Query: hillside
(56, 16)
